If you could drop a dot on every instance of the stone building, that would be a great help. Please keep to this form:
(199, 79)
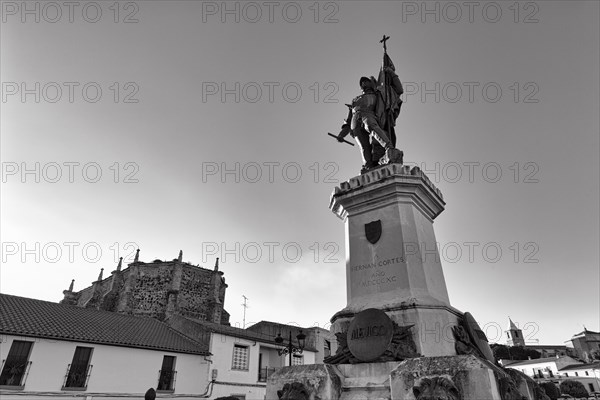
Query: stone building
(514, 335)
(321, 340)
(57, 351)
(586, 344)
(158, 289)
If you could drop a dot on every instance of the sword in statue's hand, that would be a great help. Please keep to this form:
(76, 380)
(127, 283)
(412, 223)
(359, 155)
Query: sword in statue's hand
(340, 140)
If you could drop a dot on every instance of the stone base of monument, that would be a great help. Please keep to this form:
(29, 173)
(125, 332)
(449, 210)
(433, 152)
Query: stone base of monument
(460, 377)
(317, 381)
(393, 263)
(431, 326)
(398, 336)
(464, 377)
(366, 381)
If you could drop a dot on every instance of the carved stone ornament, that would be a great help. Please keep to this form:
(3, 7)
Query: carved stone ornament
(436, 388)
(373, 231)
(508, 389)
(401, 347)
(293, 391)
(470, 339)
(463, 344)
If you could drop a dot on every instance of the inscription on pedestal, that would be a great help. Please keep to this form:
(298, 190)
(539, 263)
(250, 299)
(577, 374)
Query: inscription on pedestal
(370, 334)
(379, 276)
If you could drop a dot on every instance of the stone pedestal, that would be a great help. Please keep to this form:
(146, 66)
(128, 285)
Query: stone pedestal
(459, 377)
(463, 377)
(392, 258)
(393, 265)
(317, 381)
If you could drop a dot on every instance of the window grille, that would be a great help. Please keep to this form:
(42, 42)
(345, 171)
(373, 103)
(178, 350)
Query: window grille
(264, 373)
(297, 360)
(240, 357)
(16, 366)
(167, 374)
(78, 372)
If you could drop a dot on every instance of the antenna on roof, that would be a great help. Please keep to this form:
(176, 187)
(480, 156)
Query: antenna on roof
(245, 305)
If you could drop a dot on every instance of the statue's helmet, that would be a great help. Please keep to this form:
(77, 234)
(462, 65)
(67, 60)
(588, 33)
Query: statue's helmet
(367, 83)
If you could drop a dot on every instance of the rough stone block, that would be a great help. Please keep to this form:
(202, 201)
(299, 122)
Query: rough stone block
(321, 381)
(472, 377)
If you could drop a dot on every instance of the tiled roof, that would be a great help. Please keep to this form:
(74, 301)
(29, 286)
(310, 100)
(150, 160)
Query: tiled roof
(539, 361)
(42, 319)
(584, 333)
(595, 365)
(546, 346)
(240, 333)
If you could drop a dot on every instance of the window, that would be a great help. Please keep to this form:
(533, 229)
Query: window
(167, 374)
(79, 370)
(586, 373)
(576, 374)
(16, 364)
(508, 335)
(327, 349)
(591, 387)
(297, 360)
(240, 357)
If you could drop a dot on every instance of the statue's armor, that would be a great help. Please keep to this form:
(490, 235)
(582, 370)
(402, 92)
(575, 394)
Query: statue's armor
(365, 103)
(363, 117)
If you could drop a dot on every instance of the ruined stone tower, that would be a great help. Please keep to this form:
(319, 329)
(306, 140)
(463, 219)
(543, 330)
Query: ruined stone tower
(157, 289)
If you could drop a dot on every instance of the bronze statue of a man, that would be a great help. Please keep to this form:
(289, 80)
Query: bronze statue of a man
(372, 116)
(363, 123)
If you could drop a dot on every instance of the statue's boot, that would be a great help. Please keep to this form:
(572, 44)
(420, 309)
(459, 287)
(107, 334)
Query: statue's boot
(392, 156)
(369, 165)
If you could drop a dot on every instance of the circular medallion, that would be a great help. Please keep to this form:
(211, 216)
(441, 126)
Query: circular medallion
(370, 334)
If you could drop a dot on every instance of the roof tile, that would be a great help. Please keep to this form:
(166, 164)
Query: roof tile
(37, 318)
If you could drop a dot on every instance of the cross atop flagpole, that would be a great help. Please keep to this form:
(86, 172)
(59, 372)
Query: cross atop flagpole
(383, 40)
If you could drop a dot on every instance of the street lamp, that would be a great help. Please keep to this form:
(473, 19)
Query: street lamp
(289, 347)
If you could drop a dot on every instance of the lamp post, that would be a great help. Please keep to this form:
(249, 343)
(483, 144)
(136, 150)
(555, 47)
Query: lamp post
(290, 348)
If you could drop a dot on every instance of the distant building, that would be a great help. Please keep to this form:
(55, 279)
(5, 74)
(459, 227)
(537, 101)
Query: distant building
(541, 367)
(54, 350)
(242, 359)
(190, 299)
(588, 374)
(558, 369)
(322, 340)
(514, 335)
(552, 350)
(157, 289)
(586, 344)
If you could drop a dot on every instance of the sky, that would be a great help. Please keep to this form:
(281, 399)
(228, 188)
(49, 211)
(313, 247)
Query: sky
(201, 126)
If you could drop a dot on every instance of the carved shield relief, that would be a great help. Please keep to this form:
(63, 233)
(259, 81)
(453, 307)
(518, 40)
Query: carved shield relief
(373, 231)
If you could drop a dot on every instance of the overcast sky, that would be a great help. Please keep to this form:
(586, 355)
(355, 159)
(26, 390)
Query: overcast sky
(201, 126)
